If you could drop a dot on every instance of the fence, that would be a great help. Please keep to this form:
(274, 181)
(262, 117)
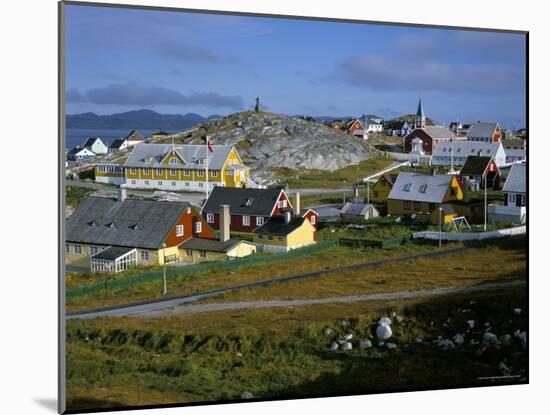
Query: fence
(374, 243)
(471, 236)
(178, 272)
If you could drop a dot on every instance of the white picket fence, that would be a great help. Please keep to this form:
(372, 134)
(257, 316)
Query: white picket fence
(470, 236)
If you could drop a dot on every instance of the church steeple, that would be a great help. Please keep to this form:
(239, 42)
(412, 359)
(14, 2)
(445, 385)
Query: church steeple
(420, 119)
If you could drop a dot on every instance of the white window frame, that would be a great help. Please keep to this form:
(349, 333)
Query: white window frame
(313, 220)
(77, 249)
(132, 170)
(172, 172)
(210, 218)
(179, 230)
(200, 173)
(198, 227)
(186, 172)
(214, 173)
(159, 172)
(145, 170)
(160, 182)
(144, 255)
(246, 220)
(259, 220)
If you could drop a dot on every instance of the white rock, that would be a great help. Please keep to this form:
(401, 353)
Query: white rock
(385, 320)
(471, 323)
(399, 319)
(490, 338)
(383, 331)
(334, 346)
(247, 395)
(504, 369)
(517, 311)
(391, 345)
(380, 344)
(344, 323)
(328, 331)
(522, 336)
(458, 338)
(506, 339)
(393, 314)
(446, 344)
(347, 346)
(419, 339)
(348, 336)
(365, 344)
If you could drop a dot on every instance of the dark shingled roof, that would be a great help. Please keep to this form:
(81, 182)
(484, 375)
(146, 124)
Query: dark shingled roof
(256, 202)
(132, 223)
(90, 141)
(112, 253)
(475, 165)
(276, 225)
(117, 143)
(212, 245)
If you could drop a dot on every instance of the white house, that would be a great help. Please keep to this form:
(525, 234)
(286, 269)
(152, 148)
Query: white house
(95, 145)
(374, 127)
(459, 151)
(515, 197)
(78, 154)
(119, 144)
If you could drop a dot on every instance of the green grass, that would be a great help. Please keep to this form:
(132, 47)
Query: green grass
(344, 177)
(283, 353)
(75, 194)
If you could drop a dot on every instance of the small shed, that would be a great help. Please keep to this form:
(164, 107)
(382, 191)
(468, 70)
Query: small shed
(358, 212)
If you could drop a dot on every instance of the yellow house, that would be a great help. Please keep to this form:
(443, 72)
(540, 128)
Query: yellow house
(382, 188)
(197, 250)
(420, 195)
(284, 233)
(179, 167)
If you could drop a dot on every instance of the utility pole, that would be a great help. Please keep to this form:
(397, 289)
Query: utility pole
(440, 211)
(164, 291)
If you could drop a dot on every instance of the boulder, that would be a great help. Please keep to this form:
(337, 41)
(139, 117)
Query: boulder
(385, 320)
(383, 331)
(490, 339)
(471, 323)
(334, 346)
(365, 344)
(348, 336)
(446, 344)
(391, 346)
(347, 346)
(517, 311)
(328, 331)
(458, 338)
(247, 395)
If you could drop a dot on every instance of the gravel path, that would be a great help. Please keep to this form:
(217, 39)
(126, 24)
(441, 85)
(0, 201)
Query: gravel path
(397, 295)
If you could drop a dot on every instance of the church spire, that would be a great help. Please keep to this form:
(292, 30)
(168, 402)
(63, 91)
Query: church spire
(420, 119)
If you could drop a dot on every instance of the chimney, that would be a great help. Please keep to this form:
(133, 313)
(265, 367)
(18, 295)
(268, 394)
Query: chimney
(122, 193)
(297, 207)
(225, 220)
(288, 215)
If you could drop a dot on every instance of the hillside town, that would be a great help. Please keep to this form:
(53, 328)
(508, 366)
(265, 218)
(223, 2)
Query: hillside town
(199, 202)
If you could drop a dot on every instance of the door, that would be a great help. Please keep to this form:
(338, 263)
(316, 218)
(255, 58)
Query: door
(518, 200)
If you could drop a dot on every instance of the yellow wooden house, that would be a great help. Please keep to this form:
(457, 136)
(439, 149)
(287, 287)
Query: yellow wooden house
(178, 167)
(382, 188)
(421, 195)
(284, 233)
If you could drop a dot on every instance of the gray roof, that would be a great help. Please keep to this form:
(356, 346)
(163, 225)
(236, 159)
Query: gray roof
(419, 187)
(131, 223)
(436, 131)
(515, 152)
(466, 148)
(190, 153)
(482, 129)
(516, 180)
(276, 225)
(212, 245)
(355, 208)
(255, 202)
(112, 253)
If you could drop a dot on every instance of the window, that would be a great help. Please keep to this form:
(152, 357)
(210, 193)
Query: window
(160, 182)
(201, 184)
(159, 172)
(202, 253)
(246, 220)
(145, 171)
(280, 238)
(282, 204)
(187, 172)
(423, 188)
(201, 173)
(313, 220)
(77, 249)
(416, 206)
(133, 182)
(210, 217)
(93, 250)
(189, 252)
(145, 255)
(259, 220)
(179, 230)
(260, 236)
(146, 182)
(132, 170)
(198, 227)
(67, 248)
(174, 160)
(407, 187)
(186, 184)
(172, 172)
(214, 173)
(270, 237)
(407, 205)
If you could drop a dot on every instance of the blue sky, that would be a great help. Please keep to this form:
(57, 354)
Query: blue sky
(172, 62)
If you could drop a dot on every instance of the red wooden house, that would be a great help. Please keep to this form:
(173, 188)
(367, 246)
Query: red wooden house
(249, 208)
(429, 136)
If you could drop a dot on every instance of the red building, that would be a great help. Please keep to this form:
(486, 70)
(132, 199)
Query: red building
(248, 208)
(429, 136)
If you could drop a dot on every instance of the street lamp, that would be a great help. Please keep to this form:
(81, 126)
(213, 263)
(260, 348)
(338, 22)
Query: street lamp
(164, 270)
(440, 212)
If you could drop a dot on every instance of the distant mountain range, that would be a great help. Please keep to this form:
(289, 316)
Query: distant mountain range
(145, 119)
